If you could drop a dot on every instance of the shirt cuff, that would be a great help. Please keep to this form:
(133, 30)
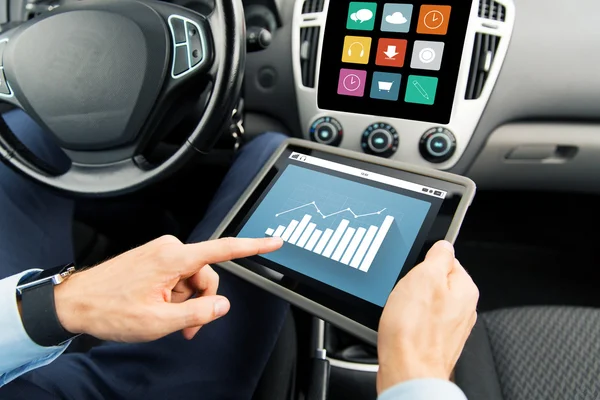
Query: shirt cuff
(19, 353)
(424, 389)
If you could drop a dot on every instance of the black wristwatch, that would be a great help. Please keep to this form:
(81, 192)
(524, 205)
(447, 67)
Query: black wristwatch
(38, 311)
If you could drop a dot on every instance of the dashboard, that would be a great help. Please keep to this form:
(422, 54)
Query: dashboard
(524, 113)
(420, 86)
(433, 121)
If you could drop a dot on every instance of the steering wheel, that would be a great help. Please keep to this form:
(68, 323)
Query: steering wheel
(102, 76)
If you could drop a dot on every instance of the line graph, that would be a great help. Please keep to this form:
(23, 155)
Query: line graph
(314, 204)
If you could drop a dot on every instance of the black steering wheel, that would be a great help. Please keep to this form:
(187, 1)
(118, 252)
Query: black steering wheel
(102, 76)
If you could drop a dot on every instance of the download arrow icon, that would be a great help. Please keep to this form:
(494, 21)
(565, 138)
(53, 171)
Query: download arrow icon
(391, 52)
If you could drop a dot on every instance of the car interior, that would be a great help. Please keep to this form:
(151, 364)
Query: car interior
(523, 124)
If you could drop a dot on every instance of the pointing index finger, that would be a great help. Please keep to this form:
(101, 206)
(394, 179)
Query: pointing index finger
(226, 249)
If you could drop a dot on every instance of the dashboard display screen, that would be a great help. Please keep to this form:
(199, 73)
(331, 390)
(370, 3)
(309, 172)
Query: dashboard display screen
(393, 59)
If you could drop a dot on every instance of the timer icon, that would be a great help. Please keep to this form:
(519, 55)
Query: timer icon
(352, 82)
(434, 20)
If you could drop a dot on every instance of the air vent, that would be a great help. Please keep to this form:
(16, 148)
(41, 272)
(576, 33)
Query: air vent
(493, 10)
(309, 45)
(312, 6)
(484, 53)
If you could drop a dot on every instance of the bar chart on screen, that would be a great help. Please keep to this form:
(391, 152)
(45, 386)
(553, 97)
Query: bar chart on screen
(349, 243)
(345, 234)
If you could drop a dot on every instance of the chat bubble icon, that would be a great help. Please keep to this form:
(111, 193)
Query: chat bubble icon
(362, 15)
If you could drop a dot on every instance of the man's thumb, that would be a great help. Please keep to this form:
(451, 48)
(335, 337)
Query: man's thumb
(441, 256)
(441, 249)
(199, 311)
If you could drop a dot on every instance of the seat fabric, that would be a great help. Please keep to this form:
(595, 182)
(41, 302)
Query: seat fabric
(531, 353)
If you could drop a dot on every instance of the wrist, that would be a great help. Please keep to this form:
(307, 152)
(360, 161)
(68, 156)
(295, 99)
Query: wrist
(69, 307)
(395, 374)
(36, 301)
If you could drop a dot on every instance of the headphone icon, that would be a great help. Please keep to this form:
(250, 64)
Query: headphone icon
(362, 49)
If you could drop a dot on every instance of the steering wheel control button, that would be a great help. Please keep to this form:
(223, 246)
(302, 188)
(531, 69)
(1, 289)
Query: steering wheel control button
(189, 45)
(4, 89)
(3, 44)
(195, 44)
(180, 64)
(380, 139)
(327, 130)
(437, 145)
(178, 29)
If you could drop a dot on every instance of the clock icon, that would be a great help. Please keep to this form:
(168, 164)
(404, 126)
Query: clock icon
(434, 19)
(352, 82)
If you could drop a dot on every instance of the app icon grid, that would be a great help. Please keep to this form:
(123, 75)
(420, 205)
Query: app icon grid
(395, 19)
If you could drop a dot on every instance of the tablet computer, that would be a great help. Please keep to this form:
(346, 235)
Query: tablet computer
(353, 225)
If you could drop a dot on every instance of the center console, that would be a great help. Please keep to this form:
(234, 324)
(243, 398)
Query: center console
(404, 80)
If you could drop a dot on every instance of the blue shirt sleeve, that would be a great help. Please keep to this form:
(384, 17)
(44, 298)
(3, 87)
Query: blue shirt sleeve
(424, 389)
(18, 353)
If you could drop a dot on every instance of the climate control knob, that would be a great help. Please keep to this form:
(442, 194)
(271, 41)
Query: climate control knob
(380, 139)
(327, 130)
(437, 145)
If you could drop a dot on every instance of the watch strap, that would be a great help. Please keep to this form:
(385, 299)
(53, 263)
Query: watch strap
(38, 313)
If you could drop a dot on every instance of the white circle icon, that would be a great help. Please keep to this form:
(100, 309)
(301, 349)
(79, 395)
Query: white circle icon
(351, 82)
(427, 55)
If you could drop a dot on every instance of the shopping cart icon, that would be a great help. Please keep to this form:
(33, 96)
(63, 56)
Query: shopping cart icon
(385, 86)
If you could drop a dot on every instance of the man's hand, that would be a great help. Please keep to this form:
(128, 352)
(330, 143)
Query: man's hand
(152, 291)
(427, 320)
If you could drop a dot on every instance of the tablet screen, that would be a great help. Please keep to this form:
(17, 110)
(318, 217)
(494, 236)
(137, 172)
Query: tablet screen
(398, 60)
(351, 229)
